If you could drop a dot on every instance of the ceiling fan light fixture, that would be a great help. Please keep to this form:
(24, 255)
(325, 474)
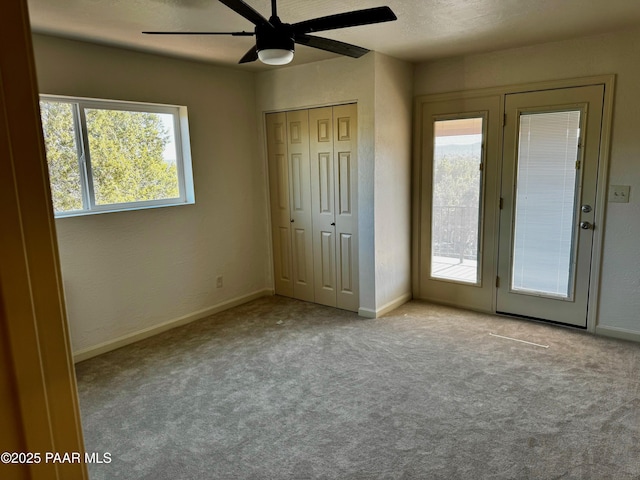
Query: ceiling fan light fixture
(275, 40)
(275, 56)
(275, 46)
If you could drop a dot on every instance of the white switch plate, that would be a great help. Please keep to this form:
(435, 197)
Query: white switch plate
(619, 193)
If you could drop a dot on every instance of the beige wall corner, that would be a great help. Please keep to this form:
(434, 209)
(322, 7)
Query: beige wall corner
(332, 82)
(132, 271)
(392, 189)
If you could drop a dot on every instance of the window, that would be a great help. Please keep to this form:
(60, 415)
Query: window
(106, 156)
(547, 190)
(456, 204)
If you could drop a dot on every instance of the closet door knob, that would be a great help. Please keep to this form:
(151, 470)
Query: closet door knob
(292, 220)
(333, 224)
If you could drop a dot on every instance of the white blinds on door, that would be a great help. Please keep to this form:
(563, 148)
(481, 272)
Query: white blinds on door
(545, 203)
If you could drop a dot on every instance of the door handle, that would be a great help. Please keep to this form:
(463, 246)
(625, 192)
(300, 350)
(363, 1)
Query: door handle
(333, 224)
(586, 226)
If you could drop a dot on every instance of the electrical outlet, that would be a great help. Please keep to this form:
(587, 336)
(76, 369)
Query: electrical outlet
(619, 193)
(219, 281)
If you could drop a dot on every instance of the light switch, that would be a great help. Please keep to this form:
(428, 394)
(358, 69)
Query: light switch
(619, 193)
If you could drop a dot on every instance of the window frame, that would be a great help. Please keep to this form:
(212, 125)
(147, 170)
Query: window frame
(484, 116)
(182, 145)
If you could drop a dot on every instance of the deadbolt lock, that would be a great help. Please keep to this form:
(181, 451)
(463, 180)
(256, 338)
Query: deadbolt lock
(586, 226)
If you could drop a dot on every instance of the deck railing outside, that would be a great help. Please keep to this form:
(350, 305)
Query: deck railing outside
(455, 232)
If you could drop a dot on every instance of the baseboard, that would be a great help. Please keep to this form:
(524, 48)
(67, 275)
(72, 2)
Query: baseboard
(616, 332)
(386, 308)
(105, 347)
(460, 305)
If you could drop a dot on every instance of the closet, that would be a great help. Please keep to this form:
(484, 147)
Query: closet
(313, 195)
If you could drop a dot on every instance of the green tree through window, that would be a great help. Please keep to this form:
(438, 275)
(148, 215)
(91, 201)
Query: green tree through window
(62, 155)
(456, 205)
(127, 157)
(130, 156)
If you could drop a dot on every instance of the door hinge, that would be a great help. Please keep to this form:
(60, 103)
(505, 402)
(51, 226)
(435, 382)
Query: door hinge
(501, 203)
(578, 164)
(481, 166)
(497, 281)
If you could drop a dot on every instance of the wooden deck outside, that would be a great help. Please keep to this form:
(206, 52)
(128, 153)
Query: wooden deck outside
(452, 269)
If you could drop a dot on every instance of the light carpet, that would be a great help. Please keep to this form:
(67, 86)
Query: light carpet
(282, 389)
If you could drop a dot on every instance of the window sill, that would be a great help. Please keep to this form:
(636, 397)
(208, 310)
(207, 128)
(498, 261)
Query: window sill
(84, 213)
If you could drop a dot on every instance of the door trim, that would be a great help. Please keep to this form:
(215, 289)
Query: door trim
(40, 393)
(603, 172)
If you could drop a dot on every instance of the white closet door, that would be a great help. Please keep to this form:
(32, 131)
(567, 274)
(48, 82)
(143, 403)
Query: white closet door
(323, 204)
(313, 188)
(279, 196)
(345, 145)
(300, 201)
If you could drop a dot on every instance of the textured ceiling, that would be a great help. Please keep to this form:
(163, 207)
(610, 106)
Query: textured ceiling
(425, 29)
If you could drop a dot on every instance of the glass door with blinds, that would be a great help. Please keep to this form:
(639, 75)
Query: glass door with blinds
(549, 175)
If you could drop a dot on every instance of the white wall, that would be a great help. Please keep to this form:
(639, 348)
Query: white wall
(329, 82)
(382, 87)
(616, 53)
(129, 271)
(393, 107)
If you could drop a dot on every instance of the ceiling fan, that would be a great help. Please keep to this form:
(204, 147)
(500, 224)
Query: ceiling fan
(275, 41)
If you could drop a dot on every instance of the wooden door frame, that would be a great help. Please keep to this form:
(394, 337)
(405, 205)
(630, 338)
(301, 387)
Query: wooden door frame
(42, 398)
(603, 173)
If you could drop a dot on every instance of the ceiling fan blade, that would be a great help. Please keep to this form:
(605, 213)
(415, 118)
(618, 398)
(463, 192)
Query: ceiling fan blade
(235, 34)
(246, 11)
(331, 45)
(250, 56)
(348, 19)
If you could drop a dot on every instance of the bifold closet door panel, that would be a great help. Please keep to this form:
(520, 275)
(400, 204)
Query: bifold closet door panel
(313, 193)
(300, 204)
(323, 204)
(279, 199)
(345, 145)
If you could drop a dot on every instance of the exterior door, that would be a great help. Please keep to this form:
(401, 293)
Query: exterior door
(460, 141)
(549, 175)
